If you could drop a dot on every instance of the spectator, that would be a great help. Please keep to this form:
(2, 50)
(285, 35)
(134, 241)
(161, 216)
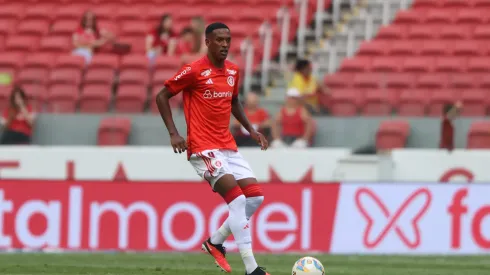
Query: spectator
(88, 37)
(293, 124)
(186, 42)
(450, 111)
(257, 116)
(161, 40)
(198, 26)
(18, 119)
(308, 86)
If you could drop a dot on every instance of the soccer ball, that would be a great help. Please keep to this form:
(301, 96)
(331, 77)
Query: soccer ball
(308, 266)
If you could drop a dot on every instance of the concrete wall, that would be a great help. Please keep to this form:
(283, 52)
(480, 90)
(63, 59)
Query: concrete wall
(150, 130)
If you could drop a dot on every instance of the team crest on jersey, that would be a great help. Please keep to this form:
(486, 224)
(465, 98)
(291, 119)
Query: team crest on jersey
(206, 73)
(231, 81)
(231, 72)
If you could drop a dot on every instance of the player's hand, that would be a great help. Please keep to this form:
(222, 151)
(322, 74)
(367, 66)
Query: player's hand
(260, 139)
(178, 143)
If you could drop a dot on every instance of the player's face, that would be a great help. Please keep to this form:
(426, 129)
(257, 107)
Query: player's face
(219, 43)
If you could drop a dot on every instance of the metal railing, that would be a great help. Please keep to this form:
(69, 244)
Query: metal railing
(266, 35)
(320, 10)
(284, 17)
(303, 14)
(249, 51)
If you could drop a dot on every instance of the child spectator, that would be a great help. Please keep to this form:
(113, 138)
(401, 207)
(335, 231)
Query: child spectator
(258, 117)
(293, 124)
(161, 40)
(88, 37)
(185, 44)
(17, 120)
(307, 85)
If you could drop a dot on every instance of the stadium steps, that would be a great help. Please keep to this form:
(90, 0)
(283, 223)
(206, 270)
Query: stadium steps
(356, 23)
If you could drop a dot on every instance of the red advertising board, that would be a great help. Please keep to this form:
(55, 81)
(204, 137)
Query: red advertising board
(157, 216)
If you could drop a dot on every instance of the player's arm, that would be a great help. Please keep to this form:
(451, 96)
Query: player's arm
(182, 80)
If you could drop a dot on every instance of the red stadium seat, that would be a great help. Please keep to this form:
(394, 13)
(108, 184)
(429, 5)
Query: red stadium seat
(482, 32)
(134, 61)
(114, 131)
(479, 135)
(67, 61)
(104, 61)
(95, 98)
(71, 12)
(475, 103)
(345, 102)
(7, 26)
(338, 80)
(455, 32)
(367, 80)
(37, 94)
(21, 43)
(12, 11)
(412, 103)
(423, 31)
(409, 17)
(392, 32)
(450, 64)
(433, 81)
(456, 4)
(130, 13)
(434, 48)
(478, 64)
(33, 76)
(65, 27)
(167, 62)
(418, 4)
(40, 11)
(55, 44)
(130, 98)
(355, 64)
(418, 64)
(134, 76)
(137, 43)
(400, 80)
(480, 3)
(464, 81)
(99, 76)
(470, 16)
(373, 48)
(466, 48)
(39, 60)
(65, 76)
(403, 48)
(134, 28)
(378, 103)
(437, 100)
(387, 64)
(104, 12)
(11, 61)
(62, 98)
(33, 27)
(392, 134)
(440, 16)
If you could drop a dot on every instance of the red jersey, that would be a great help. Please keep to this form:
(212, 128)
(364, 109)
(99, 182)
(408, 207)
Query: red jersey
(86, 36)
(256, 118)
(19, 123)
(292, 124)
(208, 92)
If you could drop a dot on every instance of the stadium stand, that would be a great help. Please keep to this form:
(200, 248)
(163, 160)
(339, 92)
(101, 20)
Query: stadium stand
(433, 53)
(114, 131)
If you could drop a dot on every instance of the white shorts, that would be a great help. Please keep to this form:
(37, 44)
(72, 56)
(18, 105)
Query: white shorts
(211, 165)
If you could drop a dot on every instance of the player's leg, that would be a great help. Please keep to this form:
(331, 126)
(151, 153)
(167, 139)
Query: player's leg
(228, 188)
(254, 196)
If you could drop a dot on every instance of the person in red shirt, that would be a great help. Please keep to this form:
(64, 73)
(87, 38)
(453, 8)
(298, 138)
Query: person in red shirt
(18, 119)
(257, 116)
(210, 88)
(450, 111)
(293, 124)
(88, 37)
(185, 43)
(161, 40)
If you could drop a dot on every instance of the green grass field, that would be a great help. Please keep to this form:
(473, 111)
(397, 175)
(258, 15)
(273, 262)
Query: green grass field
(200, 264)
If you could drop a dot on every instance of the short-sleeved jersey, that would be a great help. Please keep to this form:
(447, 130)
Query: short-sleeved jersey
(208, 92)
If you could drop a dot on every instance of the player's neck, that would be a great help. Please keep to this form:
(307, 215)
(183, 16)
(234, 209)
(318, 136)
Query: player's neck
(216, 63)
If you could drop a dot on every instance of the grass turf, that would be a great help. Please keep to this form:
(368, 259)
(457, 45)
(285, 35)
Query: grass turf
(201, 264)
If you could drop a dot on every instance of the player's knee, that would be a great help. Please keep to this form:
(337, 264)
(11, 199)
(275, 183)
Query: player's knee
(255, 202)
(253, 190)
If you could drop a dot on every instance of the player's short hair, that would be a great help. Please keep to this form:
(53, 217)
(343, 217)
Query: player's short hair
(214, 26)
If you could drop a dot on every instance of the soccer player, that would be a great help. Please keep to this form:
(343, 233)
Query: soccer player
(210, 87)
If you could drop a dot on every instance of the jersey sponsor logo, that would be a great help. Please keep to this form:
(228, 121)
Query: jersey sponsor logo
(231, 72)
(231, 81)
(209, 81)
(206, 73)
(213, 94)
(185, 71)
